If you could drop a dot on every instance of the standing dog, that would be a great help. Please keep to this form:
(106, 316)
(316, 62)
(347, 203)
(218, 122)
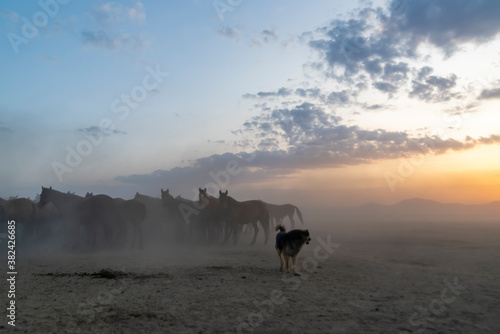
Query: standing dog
(288, 244)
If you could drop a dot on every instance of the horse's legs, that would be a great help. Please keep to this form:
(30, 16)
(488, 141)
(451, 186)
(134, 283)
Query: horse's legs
(266, 231)
(236, 232)
(281, 260)
(228, 231)
(139, 234)
(291, 220)
(256, 229)
(91, 237)
(134, 233)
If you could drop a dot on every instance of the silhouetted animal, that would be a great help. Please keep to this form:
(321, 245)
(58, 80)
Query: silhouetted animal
(93, 213)
(212, 214)
(157, 221)
(184, 213)
(23, 211)
(236, 214)
(289, 245)
(133, 211)
(278, 212)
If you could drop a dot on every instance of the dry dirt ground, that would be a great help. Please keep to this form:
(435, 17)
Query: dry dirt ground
(423, 278)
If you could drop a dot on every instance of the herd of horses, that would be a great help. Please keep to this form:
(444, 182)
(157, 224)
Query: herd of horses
(99, 221)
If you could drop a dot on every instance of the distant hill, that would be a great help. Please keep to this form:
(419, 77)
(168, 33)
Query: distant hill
(419, 209)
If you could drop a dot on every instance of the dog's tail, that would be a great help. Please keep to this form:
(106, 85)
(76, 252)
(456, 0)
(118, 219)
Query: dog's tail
(281, 228)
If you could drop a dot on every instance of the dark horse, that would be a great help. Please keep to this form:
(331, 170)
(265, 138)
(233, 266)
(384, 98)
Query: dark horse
(237, 214)
(133, 211)
(93, 212)
(21, 210)
(185, 214)
(212, 214)
(278, 212)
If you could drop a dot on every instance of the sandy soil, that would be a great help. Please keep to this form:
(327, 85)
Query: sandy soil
(431, 278)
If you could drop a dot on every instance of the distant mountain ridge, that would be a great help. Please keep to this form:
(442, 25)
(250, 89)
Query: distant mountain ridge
(423, 209)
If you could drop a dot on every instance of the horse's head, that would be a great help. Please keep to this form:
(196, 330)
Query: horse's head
(223, 200)
(45, 196)
(203, 196)
(89, 195)
(166, 198)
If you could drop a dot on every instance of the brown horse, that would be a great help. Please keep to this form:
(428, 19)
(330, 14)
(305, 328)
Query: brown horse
(278, 212)
(237, 214)
(22, 211)
(93, 213)
(211, 214)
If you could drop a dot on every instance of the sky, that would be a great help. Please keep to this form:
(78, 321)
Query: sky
(326, 103)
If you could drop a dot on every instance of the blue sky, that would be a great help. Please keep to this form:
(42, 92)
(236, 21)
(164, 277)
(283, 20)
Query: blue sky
(305, 86)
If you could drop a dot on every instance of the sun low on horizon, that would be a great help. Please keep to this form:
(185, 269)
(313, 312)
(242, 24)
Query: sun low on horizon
(319, 103)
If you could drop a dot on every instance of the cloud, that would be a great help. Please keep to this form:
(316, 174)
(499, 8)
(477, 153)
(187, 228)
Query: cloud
(444, 23)
(11, 15)
(108, 13)
(5, 130)
(51, 59)
(309, 92)
(434, 88)
(318, 137)
(96, 130)
(385, 87)
(383, 43)
(268, 35)
(340, 147)
(101, 39)
(229, 32)
(341, 97)
(136, 13)
(265, 36)
(282, 92)
(374, 106)
(487, 94)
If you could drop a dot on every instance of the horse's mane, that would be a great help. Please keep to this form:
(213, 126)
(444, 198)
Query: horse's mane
(67, 195)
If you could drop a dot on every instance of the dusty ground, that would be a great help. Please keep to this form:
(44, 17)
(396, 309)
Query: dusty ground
(432, 278)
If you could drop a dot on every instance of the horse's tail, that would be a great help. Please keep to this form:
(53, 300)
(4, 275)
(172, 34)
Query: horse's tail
(299, 214)
(281, 228)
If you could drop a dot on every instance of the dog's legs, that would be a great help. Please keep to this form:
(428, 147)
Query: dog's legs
(287, 257)
(295, 259)
(281, 260)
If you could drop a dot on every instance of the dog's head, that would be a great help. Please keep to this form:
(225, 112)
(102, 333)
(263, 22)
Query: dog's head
(305, 235)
